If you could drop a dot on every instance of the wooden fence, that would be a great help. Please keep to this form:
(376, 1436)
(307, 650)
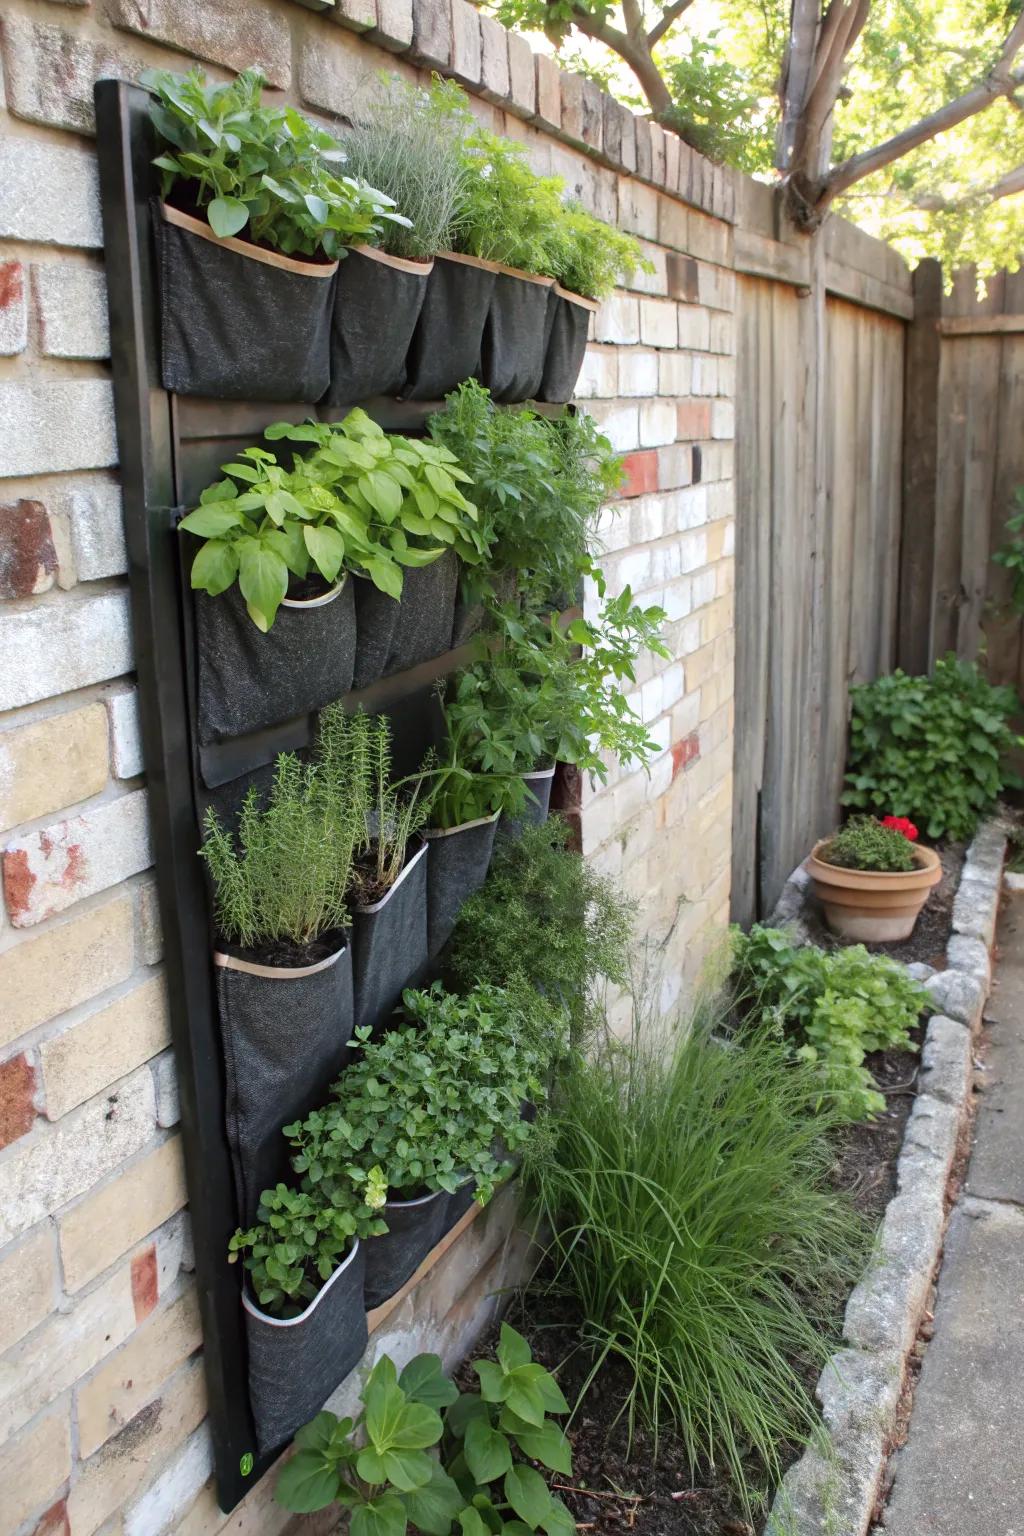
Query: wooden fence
(819, 428)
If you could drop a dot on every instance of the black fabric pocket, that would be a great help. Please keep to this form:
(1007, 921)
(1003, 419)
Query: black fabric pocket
(567, 345)
(414, 1227)
(394, 636)
(248, 679)
(377, 302)
(515, 338)
(457, 866)
(239, 326)
(389, 944)
(296, 1363)
(446, 344)
(285, 1035)
(535, 811)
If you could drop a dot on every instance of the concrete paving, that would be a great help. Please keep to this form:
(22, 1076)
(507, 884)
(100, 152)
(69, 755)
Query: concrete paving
(961, 1472)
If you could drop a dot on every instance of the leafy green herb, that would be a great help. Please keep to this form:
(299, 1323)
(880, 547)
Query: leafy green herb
(865, 844)
(1011, 554)
(592, 257)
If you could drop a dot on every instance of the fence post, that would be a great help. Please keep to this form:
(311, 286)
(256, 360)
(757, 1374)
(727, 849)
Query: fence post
(915, 627)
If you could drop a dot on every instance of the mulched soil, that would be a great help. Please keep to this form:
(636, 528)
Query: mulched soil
(618, 1488)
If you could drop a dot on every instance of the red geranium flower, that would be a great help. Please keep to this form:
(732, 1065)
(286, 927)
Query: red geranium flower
(901, 824)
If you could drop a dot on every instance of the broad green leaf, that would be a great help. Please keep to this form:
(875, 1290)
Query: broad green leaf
(494, 1383)
(418, 557)
(461, 1414)
(227, 215)
(212, 519)
(306, 1483)
(317, 207)
(385, 575)
(263, 578)
(558, 1521)
(486, 1450)
(382, 492)
(406, 1469)
(513, 1350)
(528, 1494)
(433, 1507)
(327, 549)
(423, 1381)
(472, 1523)
(379, 1517)
(547, 1444)
(214, 567)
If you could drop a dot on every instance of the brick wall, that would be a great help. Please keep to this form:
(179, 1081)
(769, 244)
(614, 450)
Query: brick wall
(101, 1386)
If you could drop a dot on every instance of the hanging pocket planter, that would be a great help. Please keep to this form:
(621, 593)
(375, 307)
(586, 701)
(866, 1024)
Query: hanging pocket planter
(446, 345)
(515, 337)
(459, 860)
(569, 324)
(248, 679)
(538, 800)
(238, 322)
(285, 1030)
(414, 1226)
(295, 1363)
(394, 636)
(377, 301)
(389, 942)
(458, 1204)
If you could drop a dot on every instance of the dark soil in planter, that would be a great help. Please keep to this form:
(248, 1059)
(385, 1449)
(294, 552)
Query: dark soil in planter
(931, 933)
(284, 952)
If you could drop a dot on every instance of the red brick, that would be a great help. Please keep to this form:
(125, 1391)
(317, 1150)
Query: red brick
(17, 1092)
(145, 1282)
(28, 560)
(55, 1522)
(693, 421)
(641, 473)
(685, 752)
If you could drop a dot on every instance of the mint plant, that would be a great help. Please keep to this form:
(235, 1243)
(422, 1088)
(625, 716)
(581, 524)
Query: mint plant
(267, 171)
(424, 1457)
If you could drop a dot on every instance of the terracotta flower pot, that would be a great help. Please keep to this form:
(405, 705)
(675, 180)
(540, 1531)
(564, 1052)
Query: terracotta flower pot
(873, 906)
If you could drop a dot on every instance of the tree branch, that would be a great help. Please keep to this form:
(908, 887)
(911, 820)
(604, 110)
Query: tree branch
(668, 19)
(1007, 186)
(635, 50)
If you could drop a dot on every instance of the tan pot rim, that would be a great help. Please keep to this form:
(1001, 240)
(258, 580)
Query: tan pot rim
(527, 277)
(927, 873)
(577, 298)
(470, 261)
(244, 248)
(400, 263)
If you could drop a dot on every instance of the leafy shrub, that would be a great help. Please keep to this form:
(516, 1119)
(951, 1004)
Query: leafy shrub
(509, 213)
(284, 880)
(1011, 554)
(547, 918)
(833, 1006)
(268, 168)
(380, 1467)
(865, 843)
(298, 1242)
(932, 748)
(407, 142)
(697, 1235)
(592, 257)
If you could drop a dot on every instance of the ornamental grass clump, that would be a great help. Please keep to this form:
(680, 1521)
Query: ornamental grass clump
(698, 1238)
(865, 843)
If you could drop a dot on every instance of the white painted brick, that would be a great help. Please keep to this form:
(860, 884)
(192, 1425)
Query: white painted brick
(613, 528)
(678, 599)
(650, 518)
(63, 643)
(651, 704)
(96, 516)
(125, 740)
(168, 1497)
(655, 282)
(691, 507)
(694, 328)
(661, 735)
(165, 1085)
(638, 374)
(72, 306)
(630, 570)
(619, 423)
(638, 209)
(658, 326)
(675, 371)
(494, 69)
(729, 542)
(56, 426)
(672, 685)
(666, 561)
(13, 309)
(466, 45)
(704, 587)
(657, 423)
(48, 871)
(723, 419)
(618, 320)
(50, 73)
(51, 1166)
(693, 550)
(599, 376)
(675, 465)
(48, 194)
(727, 377)
(721, 500)
(150, 937)
(705, 375)
(722, 337)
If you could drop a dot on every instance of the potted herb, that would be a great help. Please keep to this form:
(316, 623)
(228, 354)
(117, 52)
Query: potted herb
(305, 1319)
(380, 1468)
(283, 968)
(590, 259)
(872, 878)
(389, 868)
(407, 493)
(406, 143)
(256, 211)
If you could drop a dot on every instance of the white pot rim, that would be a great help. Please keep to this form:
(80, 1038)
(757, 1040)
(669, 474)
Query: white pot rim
(316, 602)
(200, 227)
(577, 298)
(541, 773)
(400, 263)
(410, 865)
(403, 1205)
(292, 1322)
(228, 962)
(481, 821)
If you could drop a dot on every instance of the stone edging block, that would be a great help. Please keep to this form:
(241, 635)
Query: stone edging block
(834, 1486)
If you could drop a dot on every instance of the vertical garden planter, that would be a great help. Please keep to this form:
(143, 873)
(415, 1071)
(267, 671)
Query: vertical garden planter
(238, 322)
(515, 338)
(449, 334)
(389, 942)
(248, 679)
(414, 1226)
(284, 1030)
(567, 343)
(394, 636)
(296, 1363)
(458, 1204)
(458, 863)
(377, 302)
(535, 812)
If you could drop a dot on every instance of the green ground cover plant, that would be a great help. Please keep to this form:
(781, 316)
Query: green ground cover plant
(864, 843)
(266, 172)
(384, 1469)
(831, 1007)
(696, 1234)
(931, 748)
